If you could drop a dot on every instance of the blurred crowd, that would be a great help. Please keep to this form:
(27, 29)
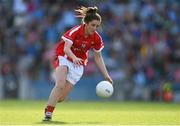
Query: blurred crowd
(142, 42)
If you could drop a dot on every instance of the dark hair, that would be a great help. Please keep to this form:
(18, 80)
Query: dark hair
(88, 14)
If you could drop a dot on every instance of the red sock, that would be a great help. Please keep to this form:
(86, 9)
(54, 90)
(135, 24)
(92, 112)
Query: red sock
(49, 110)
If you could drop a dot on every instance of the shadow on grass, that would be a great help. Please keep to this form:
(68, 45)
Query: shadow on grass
(51, 122)
(66, 123)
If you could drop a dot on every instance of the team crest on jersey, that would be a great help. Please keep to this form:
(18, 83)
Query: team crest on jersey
(83, 44)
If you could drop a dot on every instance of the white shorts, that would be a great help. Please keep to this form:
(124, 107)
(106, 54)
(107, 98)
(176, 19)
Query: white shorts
(74, 72)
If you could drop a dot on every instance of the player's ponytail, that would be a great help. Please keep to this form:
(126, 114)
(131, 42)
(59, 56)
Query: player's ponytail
(92, 10)
(88, 14)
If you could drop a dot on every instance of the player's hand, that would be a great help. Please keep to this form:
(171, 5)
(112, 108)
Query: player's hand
(109, 79)
(77, 61)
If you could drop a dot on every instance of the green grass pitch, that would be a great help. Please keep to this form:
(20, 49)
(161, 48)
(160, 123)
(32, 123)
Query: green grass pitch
(13, 112)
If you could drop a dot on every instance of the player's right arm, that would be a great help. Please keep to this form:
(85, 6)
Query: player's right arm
(69, 53)
(69, 38)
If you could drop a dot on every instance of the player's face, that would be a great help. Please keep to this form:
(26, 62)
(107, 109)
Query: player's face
(91, 27)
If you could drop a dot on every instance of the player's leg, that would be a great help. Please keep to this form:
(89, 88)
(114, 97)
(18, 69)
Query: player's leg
(60, 78)
(64, 92)
(66, 77)
(73, 76)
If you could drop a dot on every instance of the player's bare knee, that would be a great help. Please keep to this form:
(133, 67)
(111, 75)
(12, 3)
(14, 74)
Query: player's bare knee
(60, 83)
(59, 86)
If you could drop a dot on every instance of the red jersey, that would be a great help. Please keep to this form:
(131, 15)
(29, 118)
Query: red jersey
(80, 45)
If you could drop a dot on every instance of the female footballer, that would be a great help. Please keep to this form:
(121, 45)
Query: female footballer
(72, 55)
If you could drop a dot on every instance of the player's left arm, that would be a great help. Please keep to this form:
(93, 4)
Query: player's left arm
(101, 65)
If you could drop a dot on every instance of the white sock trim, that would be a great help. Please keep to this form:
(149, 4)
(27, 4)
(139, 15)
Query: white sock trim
(48, 113)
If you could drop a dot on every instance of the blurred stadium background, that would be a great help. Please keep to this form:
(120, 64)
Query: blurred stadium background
(142, 48)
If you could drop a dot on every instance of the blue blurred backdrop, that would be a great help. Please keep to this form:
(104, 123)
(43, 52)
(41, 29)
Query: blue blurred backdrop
(142, 48)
